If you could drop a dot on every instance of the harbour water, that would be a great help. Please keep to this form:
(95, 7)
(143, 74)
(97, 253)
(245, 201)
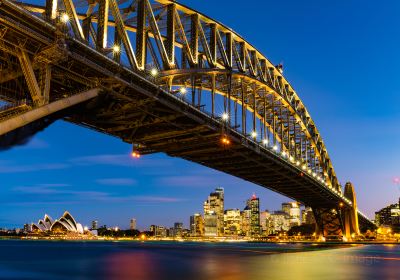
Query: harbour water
(184, 260)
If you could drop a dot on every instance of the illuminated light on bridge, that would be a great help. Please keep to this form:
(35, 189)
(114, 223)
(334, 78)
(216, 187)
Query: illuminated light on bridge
(65, 18)
(183, 90)
(265, 141)
(154, 72)
(185, 50)
(225, 116)
(225, 140)
(116, 49)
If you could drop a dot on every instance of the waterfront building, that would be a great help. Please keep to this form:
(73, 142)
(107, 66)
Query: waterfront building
(196, 225)
(246, 221)
(214, 205)
(292, 209)
(132, 224)
(279, 221)
(158, 231)
(95, 225)
(210, 224)
(388, 216)
(232, 222)
(254, 205)
(66, 224)
(265, 217)
(178, 229)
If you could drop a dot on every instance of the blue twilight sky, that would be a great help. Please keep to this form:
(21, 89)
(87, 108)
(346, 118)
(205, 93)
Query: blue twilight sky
(341, 56)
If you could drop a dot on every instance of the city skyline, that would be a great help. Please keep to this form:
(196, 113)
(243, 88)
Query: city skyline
(64, 174)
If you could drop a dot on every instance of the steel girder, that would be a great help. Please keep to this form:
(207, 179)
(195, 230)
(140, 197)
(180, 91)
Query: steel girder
(189, 51)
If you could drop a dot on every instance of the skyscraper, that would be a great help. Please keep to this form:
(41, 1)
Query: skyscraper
(292, 209)
(197, 225)
(232, 222)
(132, 224)
(210, 224)
(178, 228)
(265, 217)
(254, 205)
(214, 205)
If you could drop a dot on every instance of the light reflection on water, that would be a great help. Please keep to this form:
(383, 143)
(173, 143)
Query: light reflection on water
(132, 260)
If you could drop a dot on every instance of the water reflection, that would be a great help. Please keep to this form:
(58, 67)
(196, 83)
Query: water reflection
(124, 260)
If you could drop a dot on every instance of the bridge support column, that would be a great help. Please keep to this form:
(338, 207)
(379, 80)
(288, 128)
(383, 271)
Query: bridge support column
(350, 214)
(329, 222)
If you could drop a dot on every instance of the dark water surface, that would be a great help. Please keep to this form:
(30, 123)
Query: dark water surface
(192, 261)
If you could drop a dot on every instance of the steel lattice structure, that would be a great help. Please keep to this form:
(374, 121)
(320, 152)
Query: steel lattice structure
(165, 78)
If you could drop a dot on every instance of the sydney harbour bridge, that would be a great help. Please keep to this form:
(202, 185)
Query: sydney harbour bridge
(169, 79)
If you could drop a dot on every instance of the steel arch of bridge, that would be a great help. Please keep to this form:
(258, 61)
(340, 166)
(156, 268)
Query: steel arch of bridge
(184, 49)
(192, 50)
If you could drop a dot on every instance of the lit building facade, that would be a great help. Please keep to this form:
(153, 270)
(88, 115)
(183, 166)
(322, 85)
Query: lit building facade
(232, 222)
(279, 221)
(254, 205)
(388, 216)
(197, 225)
(66, 224)
(292, 209)
(211, 224)
(214, 206)
(246, 221)
(265, 219)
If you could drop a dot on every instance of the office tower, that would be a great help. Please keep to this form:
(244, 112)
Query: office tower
(214, 205)
(264, 222)
(132, 224)
(178, 229)
(246, 221)
(279, 221)
(292, 209)
(211, 224)
(254, 205)
(197, 225)
(232, 222)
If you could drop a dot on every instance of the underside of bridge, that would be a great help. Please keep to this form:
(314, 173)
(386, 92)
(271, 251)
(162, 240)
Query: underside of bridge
(55, 63)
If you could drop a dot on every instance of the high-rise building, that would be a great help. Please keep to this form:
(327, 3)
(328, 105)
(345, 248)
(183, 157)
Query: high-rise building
(132, 224)
(232, 222)
(178, 229)
(279, 221)
(388, 216)
(95, 224)
(254, 205)
(197, 225)
(158, 231)
(214, 205)
(211, 224)
(246, 222)
(265, 217)
(292, 209)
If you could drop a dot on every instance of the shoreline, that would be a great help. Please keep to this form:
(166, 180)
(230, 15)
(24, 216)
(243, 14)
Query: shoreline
(308, 242)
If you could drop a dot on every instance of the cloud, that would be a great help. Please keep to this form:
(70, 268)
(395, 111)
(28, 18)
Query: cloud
(54, 194)
(117, 182)
(120, 160)
(10, 168)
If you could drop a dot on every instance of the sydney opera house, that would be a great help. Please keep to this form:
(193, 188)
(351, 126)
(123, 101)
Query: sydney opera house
(64, 225)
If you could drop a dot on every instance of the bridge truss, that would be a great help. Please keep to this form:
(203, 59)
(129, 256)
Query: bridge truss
(148, 66)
